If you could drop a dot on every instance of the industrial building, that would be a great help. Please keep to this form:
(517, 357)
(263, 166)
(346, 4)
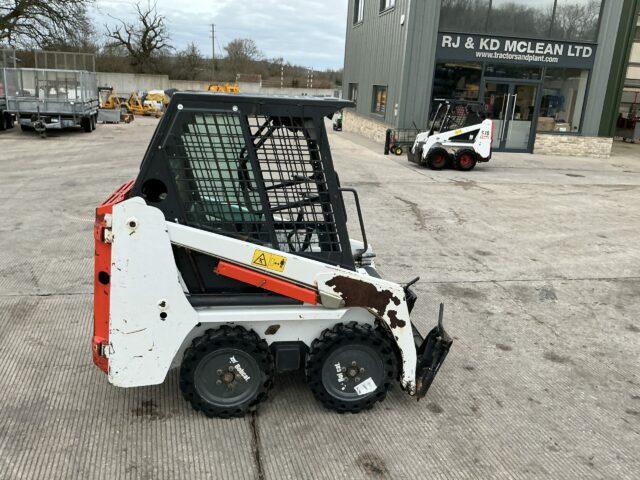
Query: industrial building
(549, 72)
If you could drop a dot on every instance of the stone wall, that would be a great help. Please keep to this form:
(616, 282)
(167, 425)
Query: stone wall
(367, 127)
(573, 145)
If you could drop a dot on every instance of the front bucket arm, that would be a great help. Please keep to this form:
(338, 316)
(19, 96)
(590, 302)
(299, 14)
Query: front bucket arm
(431, 355)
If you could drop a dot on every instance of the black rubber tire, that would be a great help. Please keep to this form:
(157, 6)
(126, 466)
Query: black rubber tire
(3, 122)
(465, 160)
(221, 339)
(437, 158)
(86, 124)
(26, 128)
(8, 121)
(94, 122)
(342, 335)
(398, 151)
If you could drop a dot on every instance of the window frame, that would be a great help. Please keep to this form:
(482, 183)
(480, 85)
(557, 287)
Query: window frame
(374, 100)
(358, 12)
(387, 8)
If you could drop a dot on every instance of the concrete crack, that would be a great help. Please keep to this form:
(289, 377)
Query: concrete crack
(256, 446)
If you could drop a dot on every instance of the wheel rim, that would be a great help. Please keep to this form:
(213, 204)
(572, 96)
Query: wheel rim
(227, 377)
(439, 160)
(352, 372)
(466, 160)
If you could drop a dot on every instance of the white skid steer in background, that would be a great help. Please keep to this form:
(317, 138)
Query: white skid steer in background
(457, 136)
(229, 257)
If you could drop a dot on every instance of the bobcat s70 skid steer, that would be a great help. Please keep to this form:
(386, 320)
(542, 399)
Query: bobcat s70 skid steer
(229, 257)
(458, 135)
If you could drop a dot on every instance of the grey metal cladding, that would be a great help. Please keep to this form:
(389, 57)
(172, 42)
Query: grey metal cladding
(375, 53)
(609, 23)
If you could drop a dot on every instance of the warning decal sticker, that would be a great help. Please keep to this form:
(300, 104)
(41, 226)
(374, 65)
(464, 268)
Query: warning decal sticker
(270, 261)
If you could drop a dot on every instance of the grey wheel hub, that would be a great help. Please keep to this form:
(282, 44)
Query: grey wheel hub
(353, 372)
(227, 377)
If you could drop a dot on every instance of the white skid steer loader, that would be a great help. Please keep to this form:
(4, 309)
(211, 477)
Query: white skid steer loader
(229, 257)
(457, 136)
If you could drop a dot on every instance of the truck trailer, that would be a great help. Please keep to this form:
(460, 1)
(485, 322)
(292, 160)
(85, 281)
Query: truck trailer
(44, 99)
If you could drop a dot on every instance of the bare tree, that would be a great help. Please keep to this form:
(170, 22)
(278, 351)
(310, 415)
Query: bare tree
(144, 38)
(43, 22)
(241, 53)
(189, 62)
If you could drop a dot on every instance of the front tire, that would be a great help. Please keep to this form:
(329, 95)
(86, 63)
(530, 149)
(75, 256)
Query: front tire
(226, 372)
(350, 367)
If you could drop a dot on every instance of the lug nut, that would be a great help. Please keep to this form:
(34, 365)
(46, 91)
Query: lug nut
(218, 382)
(231, 369)
(353, 364)
(362, 370)
(219, 372)
(357, 379)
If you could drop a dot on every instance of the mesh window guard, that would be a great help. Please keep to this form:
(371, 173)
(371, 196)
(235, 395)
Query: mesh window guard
(272, 192)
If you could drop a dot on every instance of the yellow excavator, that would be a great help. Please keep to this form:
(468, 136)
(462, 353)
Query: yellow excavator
(136, 106)
(224, 88)
(110, 105)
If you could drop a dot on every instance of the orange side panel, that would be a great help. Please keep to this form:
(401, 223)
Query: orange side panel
(102, 276)
(267, 282)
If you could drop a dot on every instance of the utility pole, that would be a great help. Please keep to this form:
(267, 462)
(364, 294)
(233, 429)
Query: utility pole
(281, 75)
(213, 51)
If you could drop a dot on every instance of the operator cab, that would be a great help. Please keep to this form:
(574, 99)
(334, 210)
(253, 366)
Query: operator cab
(258, 169)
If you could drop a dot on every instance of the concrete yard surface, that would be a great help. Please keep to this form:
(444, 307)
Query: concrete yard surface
(536, 259)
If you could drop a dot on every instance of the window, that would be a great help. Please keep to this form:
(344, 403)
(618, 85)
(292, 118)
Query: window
(358, 11)
(569, 20)
(576, 20)
(379, 105)
(387, 4)
(513, 71)
(464, 15)
(353, 92)
(508, 17)
(563, 93)
(457, 81)
(635, 53)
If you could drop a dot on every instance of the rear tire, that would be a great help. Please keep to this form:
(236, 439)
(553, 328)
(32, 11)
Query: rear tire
(350, 367)
(86, 124)
(437, 158)
(26, 128)
(466, 160)
(226, 372)
(94, 122)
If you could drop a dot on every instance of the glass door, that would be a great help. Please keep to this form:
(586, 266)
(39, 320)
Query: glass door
(520, 118)
(511, 106)
(496, 99)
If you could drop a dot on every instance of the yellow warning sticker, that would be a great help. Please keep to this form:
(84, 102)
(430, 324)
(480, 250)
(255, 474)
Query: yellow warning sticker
(270, 261)
(458, 132)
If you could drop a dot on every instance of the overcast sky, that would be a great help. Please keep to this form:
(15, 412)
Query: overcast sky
(304, 32)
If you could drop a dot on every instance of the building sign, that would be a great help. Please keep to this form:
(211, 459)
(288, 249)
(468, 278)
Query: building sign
(479, 48)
